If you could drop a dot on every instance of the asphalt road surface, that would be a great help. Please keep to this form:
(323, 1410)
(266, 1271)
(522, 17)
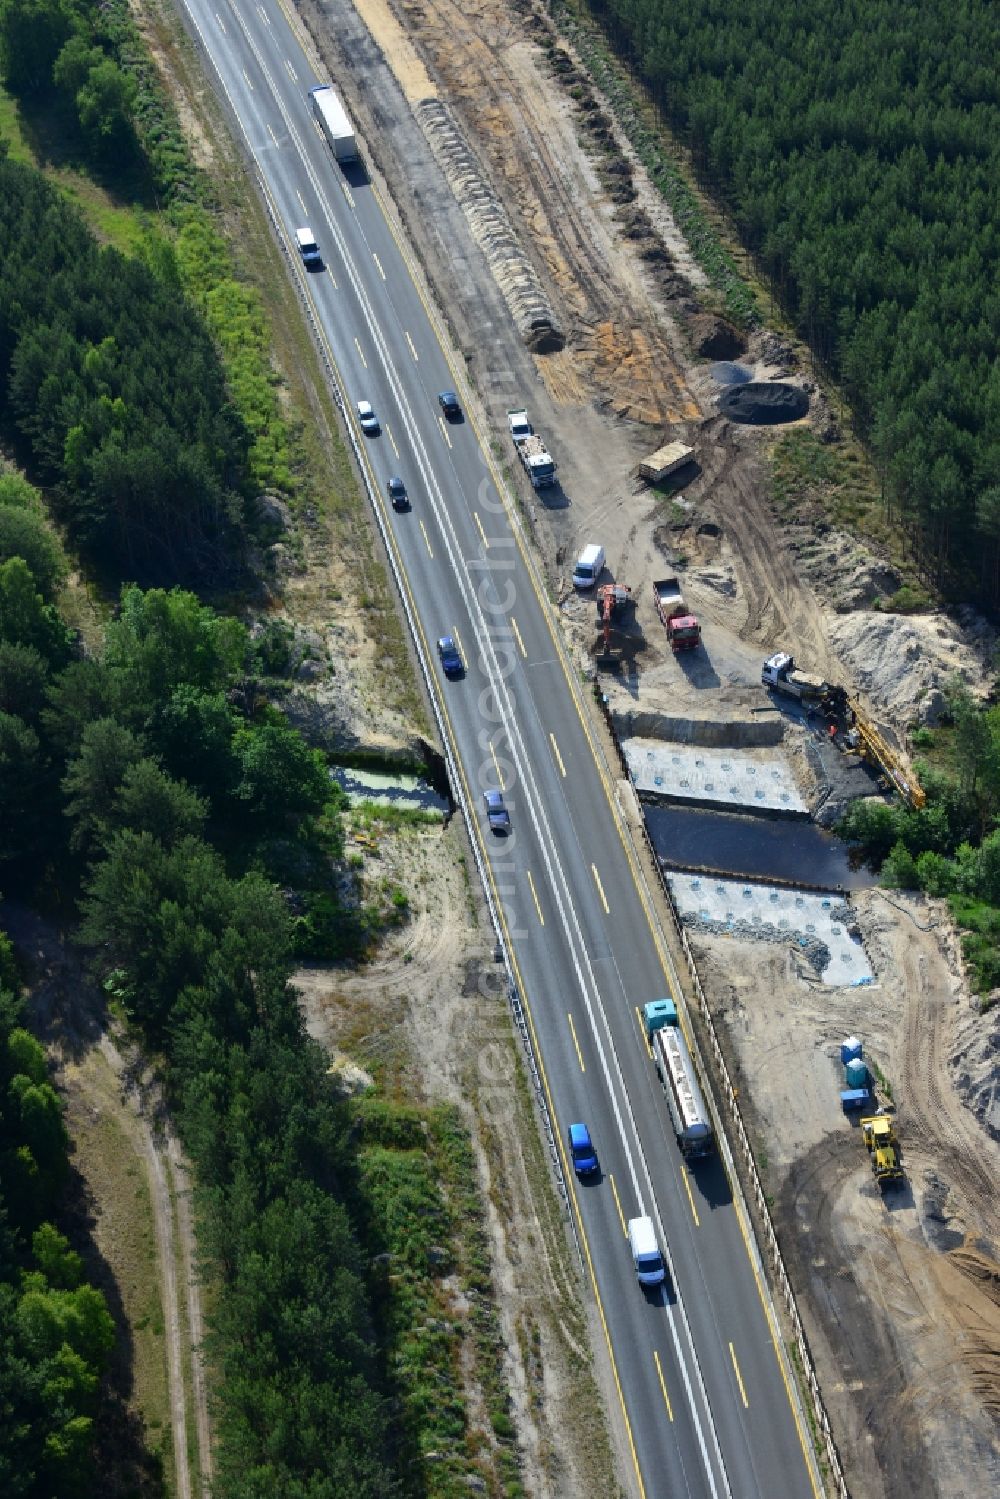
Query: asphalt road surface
(705, 1396)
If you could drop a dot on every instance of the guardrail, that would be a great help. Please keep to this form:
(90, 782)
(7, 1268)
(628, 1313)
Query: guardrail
(455, 781)
(824, 1429)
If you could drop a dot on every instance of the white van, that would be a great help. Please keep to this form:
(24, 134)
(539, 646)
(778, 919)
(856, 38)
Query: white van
(589, 566)
(308, 248)
(646, 1256)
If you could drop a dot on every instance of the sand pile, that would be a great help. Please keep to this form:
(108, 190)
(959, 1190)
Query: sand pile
(904, 663)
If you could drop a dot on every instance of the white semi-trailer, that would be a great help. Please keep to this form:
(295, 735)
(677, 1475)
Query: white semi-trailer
(333, 121)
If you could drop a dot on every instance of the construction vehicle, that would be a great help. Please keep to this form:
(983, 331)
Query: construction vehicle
(779, 672)
(536, 461)
(848, 724)
(883, 1148)
(682, 627)
(665, 461)
(612, 601)
(675, 1069)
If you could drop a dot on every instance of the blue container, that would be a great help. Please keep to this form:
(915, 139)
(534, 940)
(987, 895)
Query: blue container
(850, 1049)
(857, 1073)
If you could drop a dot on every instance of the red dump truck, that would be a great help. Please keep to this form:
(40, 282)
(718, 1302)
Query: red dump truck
(682, 627)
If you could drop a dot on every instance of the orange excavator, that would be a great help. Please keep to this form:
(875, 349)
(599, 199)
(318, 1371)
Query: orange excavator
(612, 600)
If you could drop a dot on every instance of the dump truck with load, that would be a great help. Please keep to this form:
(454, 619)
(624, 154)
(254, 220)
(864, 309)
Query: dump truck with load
(537, 462)
(332, 119)
(779, 673)
(682, 627)
(675, 1069)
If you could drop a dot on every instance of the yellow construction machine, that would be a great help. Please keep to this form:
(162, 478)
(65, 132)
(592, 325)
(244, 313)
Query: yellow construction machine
(883, 1148)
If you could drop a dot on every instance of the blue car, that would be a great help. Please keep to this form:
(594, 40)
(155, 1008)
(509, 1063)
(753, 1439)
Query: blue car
(451, 661)
(581, 1148)
(496, 813)
(449, 403)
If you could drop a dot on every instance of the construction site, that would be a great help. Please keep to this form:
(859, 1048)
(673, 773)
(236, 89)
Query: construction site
(745, 665)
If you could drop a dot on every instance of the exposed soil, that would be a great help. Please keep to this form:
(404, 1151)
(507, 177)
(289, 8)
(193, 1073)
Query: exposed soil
(900, 1297)
(896, 1310)
(898, 1289)
(431, 1017)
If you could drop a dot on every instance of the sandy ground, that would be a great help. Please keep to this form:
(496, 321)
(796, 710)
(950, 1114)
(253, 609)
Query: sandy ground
(902, 1295)
(893, 1305)
(431, 1017)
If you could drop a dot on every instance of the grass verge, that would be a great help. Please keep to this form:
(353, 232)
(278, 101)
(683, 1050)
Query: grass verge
(423, 1222)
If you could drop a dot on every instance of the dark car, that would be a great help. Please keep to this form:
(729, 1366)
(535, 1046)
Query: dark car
(581, 1148)
(448, 401)
(396, 490)
(451, 660)
(496, 813)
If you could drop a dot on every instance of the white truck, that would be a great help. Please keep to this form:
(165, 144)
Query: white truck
(537, 462)
(332, 119)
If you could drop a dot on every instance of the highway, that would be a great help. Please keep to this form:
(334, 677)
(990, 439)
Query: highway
(704, 1397)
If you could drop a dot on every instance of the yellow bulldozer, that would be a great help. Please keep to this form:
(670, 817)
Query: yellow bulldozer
(883, 1148)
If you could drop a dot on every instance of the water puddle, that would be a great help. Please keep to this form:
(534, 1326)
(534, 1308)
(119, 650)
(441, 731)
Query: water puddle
(757, 846)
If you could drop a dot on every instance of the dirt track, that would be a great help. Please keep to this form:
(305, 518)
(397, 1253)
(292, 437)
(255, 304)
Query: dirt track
(94, 1073)
(893, 1310)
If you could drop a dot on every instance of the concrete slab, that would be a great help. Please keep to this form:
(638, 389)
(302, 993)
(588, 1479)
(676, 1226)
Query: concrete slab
(750, 912)
(760, 780)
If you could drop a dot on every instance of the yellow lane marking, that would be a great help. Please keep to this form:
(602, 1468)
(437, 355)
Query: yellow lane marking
(496, 763)
(642, 1028)
(388, 433)
(517, 636)
(534, 896)
(614, 1193)
(739, 1377)
(663, 1385)
(444, 430)
(413, 350)
(559, 758)
(427, 540)
(364, 361)
(600, 890)
(433, 324)
(579, 1053)
(479, 527)
(378, 264)
(687, 1188)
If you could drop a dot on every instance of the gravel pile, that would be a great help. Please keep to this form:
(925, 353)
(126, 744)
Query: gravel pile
(763, 403)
